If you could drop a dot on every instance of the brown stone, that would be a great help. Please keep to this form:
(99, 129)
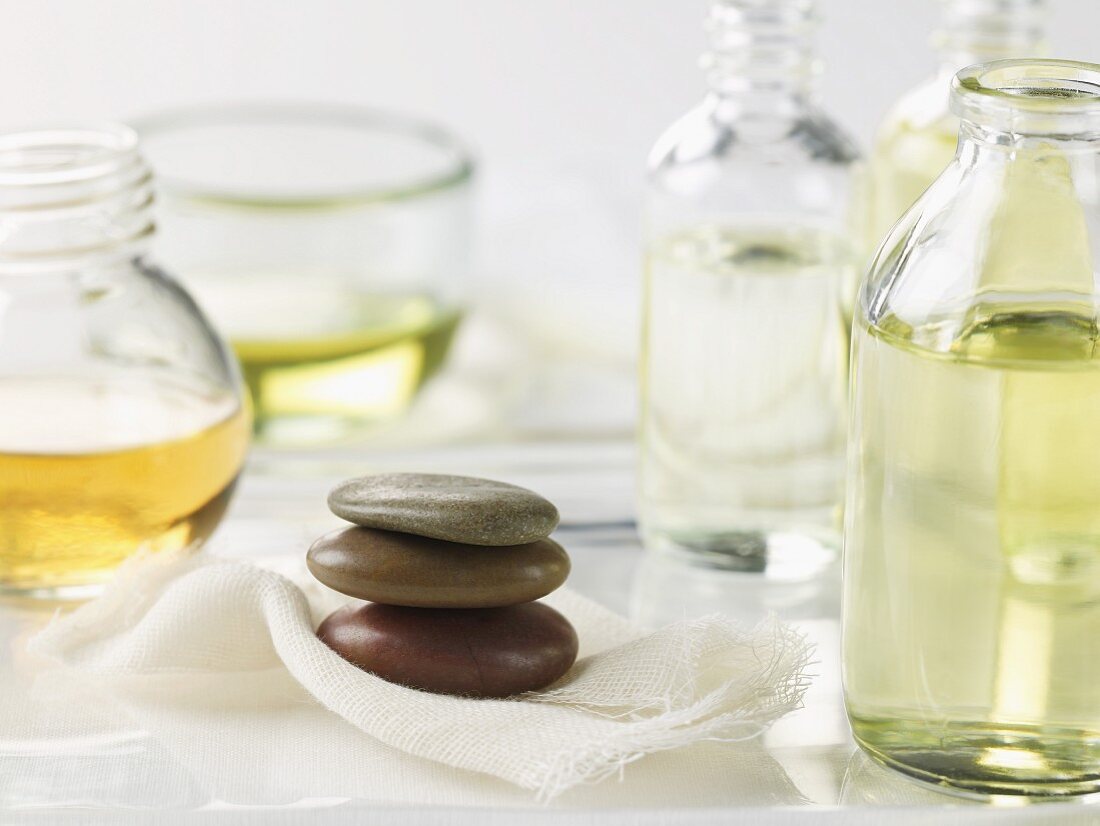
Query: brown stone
(487, 652)
(402, 569)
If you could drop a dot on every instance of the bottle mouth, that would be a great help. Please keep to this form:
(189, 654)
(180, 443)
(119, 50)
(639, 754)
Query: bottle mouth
(63, 167)
(761, 44)
(990, 29)
(1030, 96)
(71, 193)
(54, 155)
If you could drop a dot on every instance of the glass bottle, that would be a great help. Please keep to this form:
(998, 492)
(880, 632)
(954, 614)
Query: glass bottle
(917, 138)
(748, 262)
(122, 426)
(972, 545)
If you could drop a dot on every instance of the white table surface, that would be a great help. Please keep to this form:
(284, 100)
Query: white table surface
(805, 769)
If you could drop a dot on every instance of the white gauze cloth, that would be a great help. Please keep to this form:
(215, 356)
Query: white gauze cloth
(628, 695)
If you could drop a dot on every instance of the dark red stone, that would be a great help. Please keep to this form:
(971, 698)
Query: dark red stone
(475, 652)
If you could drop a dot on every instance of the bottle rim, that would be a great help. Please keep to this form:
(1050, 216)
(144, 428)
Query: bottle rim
(762, 45)
(71, 193)
(1030, 96)
(990, 29)
(64, 155)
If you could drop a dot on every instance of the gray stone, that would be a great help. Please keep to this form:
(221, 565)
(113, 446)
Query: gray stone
(455, 508)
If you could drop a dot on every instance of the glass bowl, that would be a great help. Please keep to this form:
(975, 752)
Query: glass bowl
(329, 243)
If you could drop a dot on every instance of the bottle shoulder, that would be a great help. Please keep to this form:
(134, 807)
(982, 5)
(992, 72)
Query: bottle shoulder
(706, 136)
(992, 238)
(121, 307)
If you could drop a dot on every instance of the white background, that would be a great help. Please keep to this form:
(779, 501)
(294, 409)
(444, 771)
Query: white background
(561, 99)
(549, 81)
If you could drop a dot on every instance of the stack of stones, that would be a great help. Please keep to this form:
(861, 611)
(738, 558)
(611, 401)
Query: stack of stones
(451, 566)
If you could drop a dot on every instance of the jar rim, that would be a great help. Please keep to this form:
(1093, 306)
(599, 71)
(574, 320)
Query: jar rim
(1030, 96)
(72, 193)
(61, 155)
(455, 165)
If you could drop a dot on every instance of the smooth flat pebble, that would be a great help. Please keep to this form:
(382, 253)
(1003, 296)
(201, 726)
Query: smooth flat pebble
(416, 571)
(456, 508)
(490, 652)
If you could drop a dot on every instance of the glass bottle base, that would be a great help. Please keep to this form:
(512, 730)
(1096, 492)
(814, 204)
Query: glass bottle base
(48, 596)
(986, 761)
(780, 555)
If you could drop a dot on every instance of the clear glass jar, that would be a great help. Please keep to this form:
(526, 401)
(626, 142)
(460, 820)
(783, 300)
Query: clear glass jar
(972, 544)
(749, 261)
(329, 243)
(917, 137)
(122, 426)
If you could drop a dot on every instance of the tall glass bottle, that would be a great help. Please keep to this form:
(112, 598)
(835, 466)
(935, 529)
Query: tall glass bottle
(972, 548)
(748, 262)
(917, 137)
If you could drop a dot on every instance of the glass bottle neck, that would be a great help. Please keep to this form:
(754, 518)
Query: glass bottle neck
(979, 31)
(1035, 113)
(762, 58)
(71, 196)
(979, 141)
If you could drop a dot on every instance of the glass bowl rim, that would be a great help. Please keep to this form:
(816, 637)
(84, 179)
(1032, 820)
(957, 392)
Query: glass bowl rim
(459, 169)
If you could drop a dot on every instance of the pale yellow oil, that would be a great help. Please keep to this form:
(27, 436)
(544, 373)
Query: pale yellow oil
(972, 548)
(93, 471)
(972, 626)
(743, 387)
(319, 358)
